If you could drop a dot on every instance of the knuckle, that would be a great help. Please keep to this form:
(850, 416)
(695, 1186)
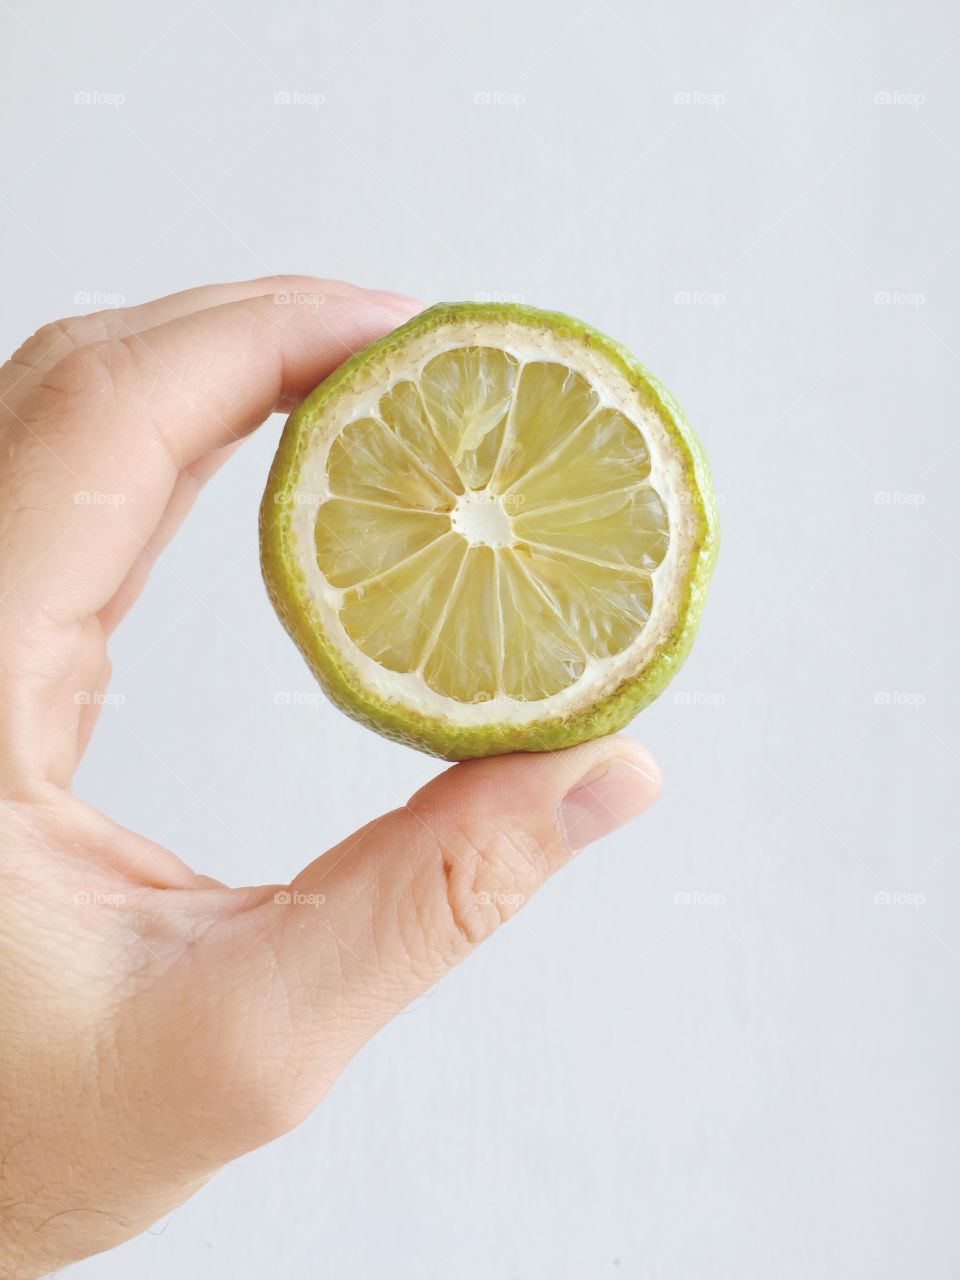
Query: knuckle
(87, 372)
(479, 876)
(55, 337)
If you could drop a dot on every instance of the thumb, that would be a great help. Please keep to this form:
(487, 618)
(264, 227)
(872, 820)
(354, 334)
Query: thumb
(381, 917)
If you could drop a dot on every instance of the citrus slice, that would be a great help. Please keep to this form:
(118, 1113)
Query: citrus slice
(490, 531)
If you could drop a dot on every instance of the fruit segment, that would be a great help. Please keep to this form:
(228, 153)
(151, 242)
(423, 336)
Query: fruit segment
(404, 412)
(392, 618)
(542, 653)
(627, 527)
(604, 608)
(467, 393)
(603, 453)
(493, 528)
(368, 460)
(464, 662)
(356, 539)
(551, 402)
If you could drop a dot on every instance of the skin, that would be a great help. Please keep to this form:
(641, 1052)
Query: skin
(155, 1024)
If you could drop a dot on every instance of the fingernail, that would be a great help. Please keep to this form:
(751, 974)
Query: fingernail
(608, 796)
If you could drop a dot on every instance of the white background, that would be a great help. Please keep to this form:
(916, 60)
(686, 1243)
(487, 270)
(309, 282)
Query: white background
(622, 1083)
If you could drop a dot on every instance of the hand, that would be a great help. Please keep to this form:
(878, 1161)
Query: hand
(155, 1024)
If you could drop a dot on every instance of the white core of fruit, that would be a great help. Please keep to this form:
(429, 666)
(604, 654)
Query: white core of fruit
(481, 519)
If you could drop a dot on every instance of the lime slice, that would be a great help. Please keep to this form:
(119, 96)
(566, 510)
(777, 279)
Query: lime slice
(490, 531)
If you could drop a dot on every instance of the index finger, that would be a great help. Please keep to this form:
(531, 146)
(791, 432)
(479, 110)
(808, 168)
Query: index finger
(51, 343)
(96, 447)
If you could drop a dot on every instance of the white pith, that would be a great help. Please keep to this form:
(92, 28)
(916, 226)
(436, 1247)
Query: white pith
(481, 523)
(480, 517)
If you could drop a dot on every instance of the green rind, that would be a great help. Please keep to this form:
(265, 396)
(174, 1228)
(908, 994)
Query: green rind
(442, 737)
